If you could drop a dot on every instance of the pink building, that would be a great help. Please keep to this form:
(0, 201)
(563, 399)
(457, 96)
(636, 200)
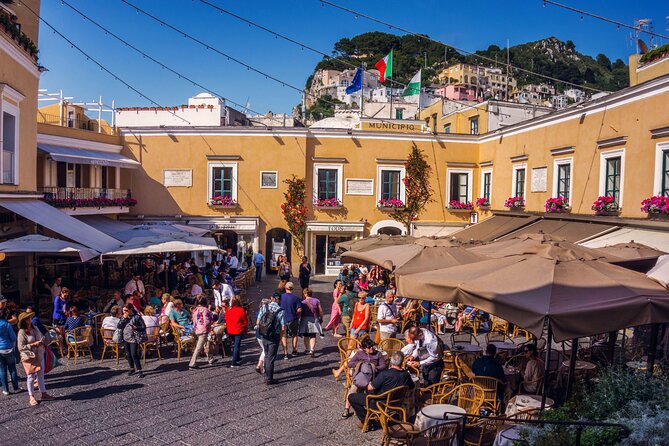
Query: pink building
(457, 92)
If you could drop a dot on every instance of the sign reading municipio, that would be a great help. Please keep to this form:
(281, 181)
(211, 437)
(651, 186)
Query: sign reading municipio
(178, 178)
(398, 127)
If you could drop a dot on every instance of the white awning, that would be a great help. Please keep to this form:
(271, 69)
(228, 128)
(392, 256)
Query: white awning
(660, 271)
(655, 239)
(40, 243)
(82, 156)
(61, 223)
(164, 244)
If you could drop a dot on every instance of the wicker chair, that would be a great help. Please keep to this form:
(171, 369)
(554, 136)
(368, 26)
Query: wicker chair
(393, 398)
(181, 342)
(463, 338)
(56, 339)
(491, 388)
(97, 321)
(495, 336)
(391, 345)
(450, 369)
(80, 342)
(346, 346)
(499, 325)
(107, 336)
(400, 432)
(465, 373)
(164, 333)
(152, 341)
(481, 432)
(518, 331)
(466, 396)
(433, 393)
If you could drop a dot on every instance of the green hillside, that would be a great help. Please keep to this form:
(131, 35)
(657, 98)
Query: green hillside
(550, 57)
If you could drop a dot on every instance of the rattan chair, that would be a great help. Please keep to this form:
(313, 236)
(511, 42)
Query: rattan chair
(433, 393)
(491, 387)
(450, 369)
(152, 341)
(393, 398)
(107, 336)
(391, 345)
(481, 432)
(463, 338)
(346, 346)
(499, 325)
(401, 432)
(518, 331)
(466, 396)
(56, 339)
(464, 371)
(80, 342)
(495, 336)
(181, 342)
(97, 321)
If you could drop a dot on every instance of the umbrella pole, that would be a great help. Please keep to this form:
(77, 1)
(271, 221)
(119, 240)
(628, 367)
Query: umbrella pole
(549, 342)
(652, 348)
(572, 367)
(612, 345)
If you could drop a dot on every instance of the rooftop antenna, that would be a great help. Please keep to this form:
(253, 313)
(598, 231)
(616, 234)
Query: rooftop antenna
(643, 26)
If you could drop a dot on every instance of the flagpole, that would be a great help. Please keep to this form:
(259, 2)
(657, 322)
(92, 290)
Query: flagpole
(362, 91)
(391, 101)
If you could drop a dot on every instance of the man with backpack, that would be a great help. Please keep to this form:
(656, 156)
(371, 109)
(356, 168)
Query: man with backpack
(271, 325)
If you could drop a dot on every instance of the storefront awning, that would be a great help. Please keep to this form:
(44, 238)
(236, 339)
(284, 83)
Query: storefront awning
(655, 239)
(61, 223)
(82, 156)
(571, 231)
(493, 228)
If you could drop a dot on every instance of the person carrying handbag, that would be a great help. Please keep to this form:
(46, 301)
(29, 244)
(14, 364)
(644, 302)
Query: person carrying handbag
(31, 349)
(310, 321)
(134, 334)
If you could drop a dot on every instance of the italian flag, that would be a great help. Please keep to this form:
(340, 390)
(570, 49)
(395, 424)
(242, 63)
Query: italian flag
(413, 87)
(385, 67)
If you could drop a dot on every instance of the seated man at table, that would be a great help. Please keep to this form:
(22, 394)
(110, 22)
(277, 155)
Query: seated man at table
(425, 350)
(179, 318)
(386, 380)
(534, 369)
(487, 365)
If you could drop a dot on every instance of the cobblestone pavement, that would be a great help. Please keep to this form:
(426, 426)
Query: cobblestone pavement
(97, 403)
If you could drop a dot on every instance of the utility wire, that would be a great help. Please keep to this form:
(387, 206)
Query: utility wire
(605, 19)
(423, 36)
(96, 62)
(234, 59)
(147, 56)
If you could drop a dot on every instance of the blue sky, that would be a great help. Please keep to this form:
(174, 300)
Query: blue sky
(468, 27)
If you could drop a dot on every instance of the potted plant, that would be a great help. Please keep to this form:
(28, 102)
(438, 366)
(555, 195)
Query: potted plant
(606, 205)
(483, 203)
(657, 206)
(515, 203)
(327, 203)
(222, 201)
(455, 205)
(390, 204)
(557, 205)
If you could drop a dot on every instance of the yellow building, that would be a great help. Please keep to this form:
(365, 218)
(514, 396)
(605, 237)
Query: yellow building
(485, 81)
(73, 116)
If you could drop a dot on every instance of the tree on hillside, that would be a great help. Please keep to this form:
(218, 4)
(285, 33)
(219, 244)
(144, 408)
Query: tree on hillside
(323, 108)
(417, 188)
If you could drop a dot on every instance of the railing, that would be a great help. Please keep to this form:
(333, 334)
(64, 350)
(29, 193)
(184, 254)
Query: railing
(90, 125)
(576, 426)
(83, 193)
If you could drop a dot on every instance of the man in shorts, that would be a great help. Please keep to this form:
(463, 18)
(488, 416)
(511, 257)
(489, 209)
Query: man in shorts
(292, 309)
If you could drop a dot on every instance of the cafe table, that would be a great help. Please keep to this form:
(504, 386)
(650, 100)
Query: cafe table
(504, 346)
(523, 402)
(507, 436)
(466, 348)
(435, 414)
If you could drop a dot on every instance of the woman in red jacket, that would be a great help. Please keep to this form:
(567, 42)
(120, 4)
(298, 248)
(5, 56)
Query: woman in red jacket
(236, 323)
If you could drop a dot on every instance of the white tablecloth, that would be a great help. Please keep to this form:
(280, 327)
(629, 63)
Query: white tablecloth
(507, 436)
(436, 414)
(524, 402)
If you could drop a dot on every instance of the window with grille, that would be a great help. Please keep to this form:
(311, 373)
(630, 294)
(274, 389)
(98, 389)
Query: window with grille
(459, 187)
(520, 183)
(221, 181)
(487, 183)
(612, 185)
(563, 180)
(390, 184)
(327, 184)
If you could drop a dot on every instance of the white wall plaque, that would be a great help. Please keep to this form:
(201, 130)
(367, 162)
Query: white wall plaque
(539, 179)
(269, 179)
(178, 178)
(359, 186)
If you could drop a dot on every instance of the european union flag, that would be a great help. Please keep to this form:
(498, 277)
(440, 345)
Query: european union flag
(357, 82)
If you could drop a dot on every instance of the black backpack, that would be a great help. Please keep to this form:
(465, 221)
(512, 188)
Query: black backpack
(267, 325)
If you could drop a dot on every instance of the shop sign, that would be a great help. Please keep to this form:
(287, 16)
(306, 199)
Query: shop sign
(178, 178)
(334, 262)
(336, 228)
(231, 227)
(397, 127)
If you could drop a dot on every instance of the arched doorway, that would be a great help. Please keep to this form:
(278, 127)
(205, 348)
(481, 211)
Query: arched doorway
(388, 227)
(277, 242)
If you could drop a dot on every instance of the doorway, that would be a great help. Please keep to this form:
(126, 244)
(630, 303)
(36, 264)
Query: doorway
(321, 247)
(277, 242)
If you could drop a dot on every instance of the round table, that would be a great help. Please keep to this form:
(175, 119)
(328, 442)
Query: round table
(523, 402)
(581, 365)
(466, 348)
(509, 346)
(507, 436)
(435, 414)
(638, 365)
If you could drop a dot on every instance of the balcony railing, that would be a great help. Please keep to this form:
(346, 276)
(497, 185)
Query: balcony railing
(76, 197)
(63, 121)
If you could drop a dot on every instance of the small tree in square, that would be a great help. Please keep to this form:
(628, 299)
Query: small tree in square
(417, 187)
(294, 211)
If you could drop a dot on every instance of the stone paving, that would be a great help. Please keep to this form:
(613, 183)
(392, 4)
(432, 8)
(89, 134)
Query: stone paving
(99, 404)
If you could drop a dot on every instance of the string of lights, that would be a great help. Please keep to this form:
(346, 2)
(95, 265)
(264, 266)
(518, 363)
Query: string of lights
(605, 19)
(151, 58)
(96, 62)
(479, 56)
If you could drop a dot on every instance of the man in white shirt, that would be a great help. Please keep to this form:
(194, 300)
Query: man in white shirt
(387, 317)
(222, 291)
(425, 350)
(259, 262)
(135, 284)
(233, 264)
(111, 322)
(55, 289)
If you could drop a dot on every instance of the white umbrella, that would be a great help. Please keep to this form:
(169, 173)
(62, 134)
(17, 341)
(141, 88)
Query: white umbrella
(660, 272)
(163, 244)
(36, 243)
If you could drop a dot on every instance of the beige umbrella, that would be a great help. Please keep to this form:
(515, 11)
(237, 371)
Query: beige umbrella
(373, 242)
(577, 293)
(631, 251)
(423, 254)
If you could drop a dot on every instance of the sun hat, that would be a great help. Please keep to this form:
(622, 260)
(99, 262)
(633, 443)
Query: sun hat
(25, 315)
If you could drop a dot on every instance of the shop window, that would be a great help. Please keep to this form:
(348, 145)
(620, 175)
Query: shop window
(222, 180)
